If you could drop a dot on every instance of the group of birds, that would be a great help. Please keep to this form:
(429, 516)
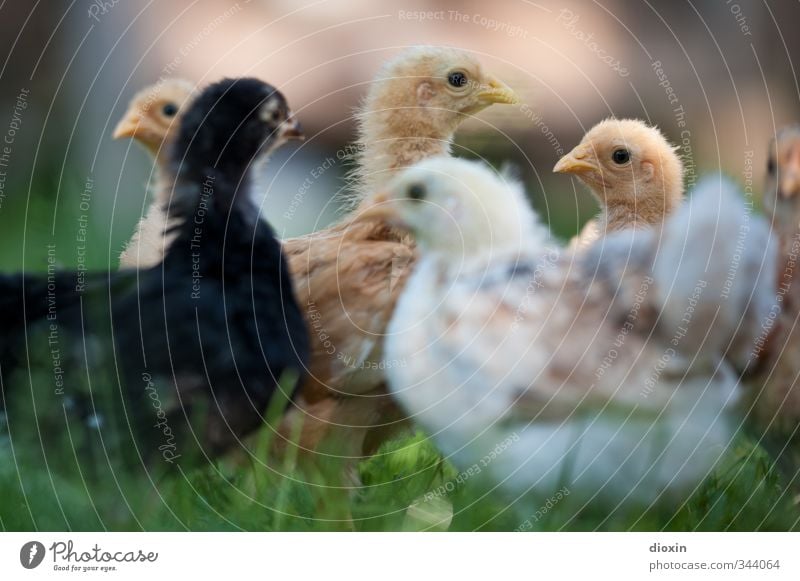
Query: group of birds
(621, 365)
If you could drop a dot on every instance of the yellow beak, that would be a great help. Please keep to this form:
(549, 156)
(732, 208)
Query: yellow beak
(126, 127)
(576, 161)
(497, 91)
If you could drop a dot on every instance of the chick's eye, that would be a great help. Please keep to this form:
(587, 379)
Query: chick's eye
(416, 192)
(169, 109)
(621, 156)
(457, 79)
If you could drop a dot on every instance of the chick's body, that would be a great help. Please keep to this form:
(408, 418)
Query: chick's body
(560, 369)
(632, 170)
(774, 387)
(189, 351)
(349, 275)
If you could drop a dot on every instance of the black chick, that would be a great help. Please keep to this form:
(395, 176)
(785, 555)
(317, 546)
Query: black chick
(181, 359)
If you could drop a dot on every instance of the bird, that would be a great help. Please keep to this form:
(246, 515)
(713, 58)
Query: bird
(633, 171)
(151, 118)
(349, 274)
(605, 371)
(173, 364)
(153, 114)
(773, 389)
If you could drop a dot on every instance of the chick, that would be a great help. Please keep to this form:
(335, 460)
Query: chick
(607, 374)
(349, 275)
(153, 114)
(774, 389)
(632, 170)
(414, 107)
(176, 362)
(151, 119)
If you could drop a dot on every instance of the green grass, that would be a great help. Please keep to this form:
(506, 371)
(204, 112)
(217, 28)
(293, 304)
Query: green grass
(48, 486)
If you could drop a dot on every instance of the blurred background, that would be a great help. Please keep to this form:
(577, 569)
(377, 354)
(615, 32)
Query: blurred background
(717, 77)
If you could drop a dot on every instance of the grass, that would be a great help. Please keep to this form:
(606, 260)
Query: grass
(46, 485)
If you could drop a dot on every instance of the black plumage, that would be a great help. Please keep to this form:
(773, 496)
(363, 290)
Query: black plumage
(180, 359)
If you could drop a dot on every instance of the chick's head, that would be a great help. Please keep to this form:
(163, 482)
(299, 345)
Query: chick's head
(427, 91)
(152, 115)
(457, 208)
(782, 189)
(625, 161)
(231, 123)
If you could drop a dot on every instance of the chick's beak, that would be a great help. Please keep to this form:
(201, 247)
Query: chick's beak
(292, 129)
(126, 127)
(496, 91)
(576, 161)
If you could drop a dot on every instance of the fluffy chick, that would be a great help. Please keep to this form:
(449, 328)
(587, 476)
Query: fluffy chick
(349, 275)
(584, 373)
(631, 169)
(774, 388)
(152, 119)
(178, 361)
(153, 114)
(413, 108)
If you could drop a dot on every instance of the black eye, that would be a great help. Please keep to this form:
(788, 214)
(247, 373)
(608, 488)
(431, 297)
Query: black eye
(416, 192)
(771, 166)
(170, 109)
(621, 156)
(457, 79)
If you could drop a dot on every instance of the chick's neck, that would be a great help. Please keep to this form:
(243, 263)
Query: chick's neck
(393, 140)
(635, 209)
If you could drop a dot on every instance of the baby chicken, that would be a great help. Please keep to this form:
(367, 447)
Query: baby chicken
(153, 114)
(349, 275)
(151, 118)
(631, 169)
(179, 361)
(414, 107)
(606, 374)
(774, 388)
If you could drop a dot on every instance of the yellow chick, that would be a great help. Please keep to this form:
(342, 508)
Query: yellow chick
(151, 119)
(631, 169)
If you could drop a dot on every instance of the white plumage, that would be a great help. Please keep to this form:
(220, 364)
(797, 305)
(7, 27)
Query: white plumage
(605, 372)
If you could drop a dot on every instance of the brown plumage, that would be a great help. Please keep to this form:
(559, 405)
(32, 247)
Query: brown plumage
(775, 387)
(348, 276)
(631, 169)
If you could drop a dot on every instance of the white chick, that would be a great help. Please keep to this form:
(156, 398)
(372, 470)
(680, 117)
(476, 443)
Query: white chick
(604, 372)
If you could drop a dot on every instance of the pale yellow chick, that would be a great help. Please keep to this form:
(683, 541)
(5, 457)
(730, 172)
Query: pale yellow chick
(151, 118)
(632, 170)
